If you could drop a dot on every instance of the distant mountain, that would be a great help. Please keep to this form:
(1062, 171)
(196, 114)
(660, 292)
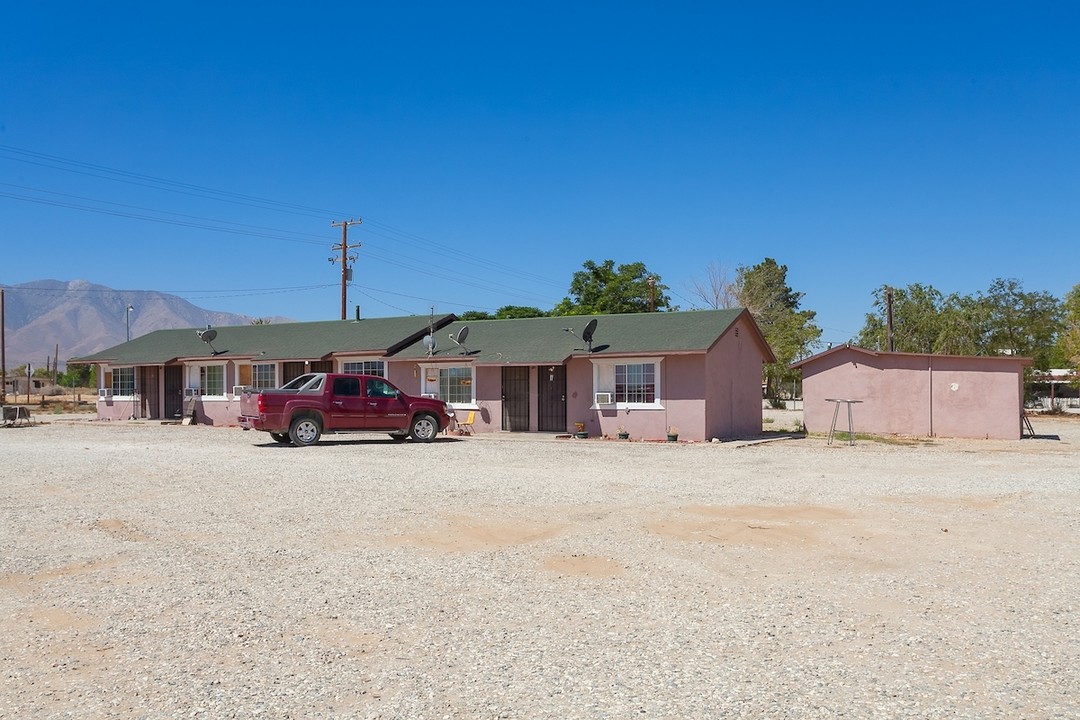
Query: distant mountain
(84, 318)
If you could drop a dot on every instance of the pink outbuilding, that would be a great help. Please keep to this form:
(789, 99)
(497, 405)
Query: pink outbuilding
(915, 394)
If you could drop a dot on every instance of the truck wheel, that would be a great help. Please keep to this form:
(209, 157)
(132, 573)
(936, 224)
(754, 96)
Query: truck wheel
(304, 431)
(424, 428)
(282, 438)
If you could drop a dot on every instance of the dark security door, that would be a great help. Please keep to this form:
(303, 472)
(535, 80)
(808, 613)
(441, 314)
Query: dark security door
(174, 391)
(551, 398)
(149, 393)
(515, 399)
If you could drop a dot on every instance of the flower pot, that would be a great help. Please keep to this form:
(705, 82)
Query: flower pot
(581, 435)
(672, 437)
(624, 436)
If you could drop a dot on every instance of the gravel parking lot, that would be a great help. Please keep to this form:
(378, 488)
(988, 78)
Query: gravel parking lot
(174, 571)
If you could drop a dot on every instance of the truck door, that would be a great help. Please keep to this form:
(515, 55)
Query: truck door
(347, 408)
(384, 409)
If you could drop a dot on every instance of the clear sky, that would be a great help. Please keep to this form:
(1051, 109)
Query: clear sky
(492, 148)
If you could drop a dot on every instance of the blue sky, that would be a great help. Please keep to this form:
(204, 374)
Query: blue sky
(492, 148)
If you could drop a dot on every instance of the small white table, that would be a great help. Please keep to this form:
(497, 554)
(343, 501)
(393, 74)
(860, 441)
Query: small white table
(850, 422)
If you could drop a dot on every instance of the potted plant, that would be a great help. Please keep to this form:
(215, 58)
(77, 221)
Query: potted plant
(580, 427)
(672, 434)
(623, 434)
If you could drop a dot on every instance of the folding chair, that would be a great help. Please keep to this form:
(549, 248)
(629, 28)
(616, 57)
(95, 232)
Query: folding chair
(465, 427)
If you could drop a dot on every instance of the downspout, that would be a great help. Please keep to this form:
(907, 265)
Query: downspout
(930, 363)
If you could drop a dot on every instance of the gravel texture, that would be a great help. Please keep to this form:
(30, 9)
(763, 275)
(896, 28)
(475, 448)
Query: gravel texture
(154, 571)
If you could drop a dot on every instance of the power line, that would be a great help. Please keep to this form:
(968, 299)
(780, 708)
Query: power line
(116, 175)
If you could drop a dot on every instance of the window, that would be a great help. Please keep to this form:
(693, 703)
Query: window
(212, 379)
(635, 383)
(347, 386)
(455, 385)
(123, 381)
(365, 367)
(451, 384)
(263, 376)
(380, 389)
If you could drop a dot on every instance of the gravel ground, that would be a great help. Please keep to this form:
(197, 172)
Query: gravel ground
(174, 571)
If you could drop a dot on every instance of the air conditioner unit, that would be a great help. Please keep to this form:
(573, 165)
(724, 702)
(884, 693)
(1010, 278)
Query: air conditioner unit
(240, 389)
(433, 396)
(191, 392)
(604, 398)
(104, 392)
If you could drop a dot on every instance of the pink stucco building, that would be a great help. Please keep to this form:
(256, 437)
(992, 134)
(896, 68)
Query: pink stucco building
(915, 394)
(641, 373)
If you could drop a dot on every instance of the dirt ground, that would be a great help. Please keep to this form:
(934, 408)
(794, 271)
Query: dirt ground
(160, 571)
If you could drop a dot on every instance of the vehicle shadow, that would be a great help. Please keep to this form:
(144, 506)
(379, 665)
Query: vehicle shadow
(354, 441)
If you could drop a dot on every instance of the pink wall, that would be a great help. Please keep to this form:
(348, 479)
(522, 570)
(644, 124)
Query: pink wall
(915, 394)
(733, 390)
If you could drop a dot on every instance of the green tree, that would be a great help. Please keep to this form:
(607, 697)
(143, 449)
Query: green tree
(1022, 323)
(469, 315)
(76, 376)
(1069, 339)
(508, 312)
(791, 333)
(603, 288)
(1005, 319)
(917, 319)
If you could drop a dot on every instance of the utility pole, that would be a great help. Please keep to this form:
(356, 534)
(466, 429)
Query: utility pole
(652, 293)
(344, 247)
(888, 318)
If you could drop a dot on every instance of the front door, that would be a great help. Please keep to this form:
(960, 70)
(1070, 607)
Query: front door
(515, 399)
(551, 398)
(174, 391)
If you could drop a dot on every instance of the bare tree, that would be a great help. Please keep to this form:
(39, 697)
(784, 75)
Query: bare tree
(716, 290)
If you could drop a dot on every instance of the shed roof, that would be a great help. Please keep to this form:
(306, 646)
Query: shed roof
(555, 339)
(813, 359)
(273, 342)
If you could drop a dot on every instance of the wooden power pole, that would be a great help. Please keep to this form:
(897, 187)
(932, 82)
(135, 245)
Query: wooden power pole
(346, 259)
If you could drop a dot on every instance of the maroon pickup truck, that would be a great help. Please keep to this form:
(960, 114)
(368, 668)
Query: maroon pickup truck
(304, 409)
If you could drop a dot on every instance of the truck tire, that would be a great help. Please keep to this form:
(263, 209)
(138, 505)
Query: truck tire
(282, 438)
(304, 431)
(424, 428)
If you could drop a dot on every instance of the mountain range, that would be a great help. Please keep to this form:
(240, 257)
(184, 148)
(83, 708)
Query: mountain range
(83, 318)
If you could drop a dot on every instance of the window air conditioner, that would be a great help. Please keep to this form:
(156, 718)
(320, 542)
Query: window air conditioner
(240, 389)
(104, 392)
(603, 398)
(191, 392)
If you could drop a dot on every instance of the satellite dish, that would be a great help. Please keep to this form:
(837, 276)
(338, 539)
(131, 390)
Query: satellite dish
(460, 339)
(587, 333)
(429, 343)
(207, 336)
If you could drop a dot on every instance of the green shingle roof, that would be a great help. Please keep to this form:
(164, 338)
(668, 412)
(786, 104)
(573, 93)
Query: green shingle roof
(543, 340)
(274, 342)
